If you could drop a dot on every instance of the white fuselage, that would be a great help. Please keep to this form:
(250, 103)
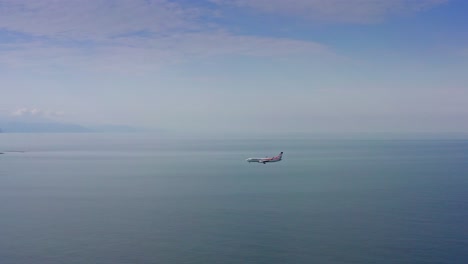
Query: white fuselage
(265, 160)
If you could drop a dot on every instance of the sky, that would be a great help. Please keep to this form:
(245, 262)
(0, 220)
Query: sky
(238, 66)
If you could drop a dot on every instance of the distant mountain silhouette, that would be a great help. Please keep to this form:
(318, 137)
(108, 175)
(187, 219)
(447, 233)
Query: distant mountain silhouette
(29, 124)
(117, 128)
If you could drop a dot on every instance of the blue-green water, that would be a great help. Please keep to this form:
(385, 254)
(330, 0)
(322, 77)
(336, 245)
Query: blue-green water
(95, 198)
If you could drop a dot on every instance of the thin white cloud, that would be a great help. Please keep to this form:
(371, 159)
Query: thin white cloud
(144, 54)
(35, 112)
(93, 19)
(354, 11)
(128, 34)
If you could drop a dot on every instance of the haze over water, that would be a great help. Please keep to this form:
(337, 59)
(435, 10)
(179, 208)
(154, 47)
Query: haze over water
(100, 198)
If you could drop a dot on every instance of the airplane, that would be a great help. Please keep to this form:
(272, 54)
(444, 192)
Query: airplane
(265, 160)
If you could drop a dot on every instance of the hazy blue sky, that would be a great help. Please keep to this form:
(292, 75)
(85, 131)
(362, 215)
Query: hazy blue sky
(238, 65)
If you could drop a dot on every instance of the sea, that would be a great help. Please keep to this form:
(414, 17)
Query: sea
(143, 198)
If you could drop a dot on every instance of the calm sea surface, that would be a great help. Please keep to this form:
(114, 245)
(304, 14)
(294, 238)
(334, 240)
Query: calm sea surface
(98, 198)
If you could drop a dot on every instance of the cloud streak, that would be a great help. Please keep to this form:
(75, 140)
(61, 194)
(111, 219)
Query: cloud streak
(100, 34)
(93, 19)
(350, 11)
(35, 112)
(146, 54)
